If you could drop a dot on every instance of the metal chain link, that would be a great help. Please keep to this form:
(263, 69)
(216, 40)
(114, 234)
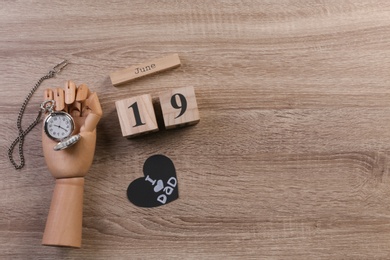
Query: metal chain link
(22, 133)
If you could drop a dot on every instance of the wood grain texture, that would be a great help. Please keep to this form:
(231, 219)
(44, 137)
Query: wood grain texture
(289, 161)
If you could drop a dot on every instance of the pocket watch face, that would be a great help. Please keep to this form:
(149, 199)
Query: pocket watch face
(59, 125)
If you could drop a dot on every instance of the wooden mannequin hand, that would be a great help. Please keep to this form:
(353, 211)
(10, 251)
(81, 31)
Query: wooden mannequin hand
(86, 111)
(69, 166)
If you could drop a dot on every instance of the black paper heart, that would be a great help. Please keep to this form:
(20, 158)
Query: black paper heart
(158, 187)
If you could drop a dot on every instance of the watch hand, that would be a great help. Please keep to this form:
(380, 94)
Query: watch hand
(60, 127)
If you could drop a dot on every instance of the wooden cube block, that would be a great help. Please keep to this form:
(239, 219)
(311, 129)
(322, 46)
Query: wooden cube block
(136, 115)
(179, 107)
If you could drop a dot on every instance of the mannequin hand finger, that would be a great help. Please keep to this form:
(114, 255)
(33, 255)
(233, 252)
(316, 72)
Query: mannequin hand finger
(82, 93)
(94, 113)
(59, 99)
(75, 109)
(70, 92)
(48, 94)
(93, 105)
(81, 96)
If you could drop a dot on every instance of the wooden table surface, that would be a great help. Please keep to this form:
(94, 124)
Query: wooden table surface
(290, 159)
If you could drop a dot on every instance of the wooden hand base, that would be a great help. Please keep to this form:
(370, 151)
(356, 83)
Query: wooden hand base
(64, 222)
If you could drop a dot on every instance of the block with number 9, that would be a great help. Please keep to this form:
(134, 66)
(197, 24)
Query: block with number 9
(179, 107)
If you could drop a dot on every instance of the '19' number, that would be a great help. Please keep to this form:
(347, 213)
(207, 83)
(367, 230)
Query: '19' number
(182, 106)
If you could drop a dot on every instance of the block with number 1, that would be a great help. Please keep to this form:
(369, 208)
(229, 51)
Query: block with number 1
(179, 107)
(136, 115)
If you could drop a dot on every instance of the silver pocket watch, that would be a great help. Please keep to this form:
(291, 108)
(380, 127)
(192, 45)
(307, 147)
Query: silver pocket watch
(59, 126)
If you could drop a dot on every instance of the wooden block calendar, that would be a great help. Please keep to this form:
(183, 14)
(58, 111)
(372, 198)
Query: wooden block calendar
(137, 115)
